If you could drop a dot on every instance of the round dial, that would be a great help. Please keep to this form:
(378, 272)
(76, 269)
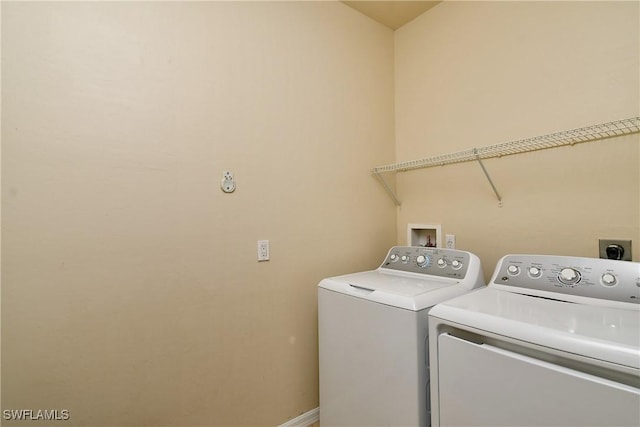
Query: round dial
(422, 260)
(534, 272)
(513, 269)
(404, 258)
(456, 264)
(608, 279)
(441, 263)
(393, 257)
(569, 276)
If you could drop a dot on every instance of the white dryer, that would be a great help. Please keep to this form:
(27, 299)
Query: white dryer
(551, 341)
(373, 335)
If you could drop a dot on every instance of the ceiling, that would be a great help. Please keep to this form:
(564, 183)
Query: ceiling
(394, 14)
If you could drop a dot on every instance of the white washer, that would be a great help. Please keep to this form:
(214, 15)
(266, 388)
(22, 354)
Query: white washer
(373, 335)
(551, 341)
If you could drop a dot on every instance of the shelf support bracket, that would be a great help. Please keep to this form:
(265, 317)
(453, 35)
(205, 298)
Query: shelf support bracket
(387, 187)
(486, 174)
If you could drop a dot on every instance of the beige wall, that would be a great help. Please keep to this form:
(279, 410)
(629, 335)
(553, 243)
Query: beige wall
(131, 294)
(471, 74)
(130, 290)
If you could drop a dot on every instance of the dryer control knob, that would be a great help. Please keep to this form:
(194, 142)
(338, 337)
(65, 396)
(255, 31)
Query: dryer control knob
(456, 264)
(404, 258)
(608, 279)
(393, 257)
(569, 276)
(441, 263)
(513, 270)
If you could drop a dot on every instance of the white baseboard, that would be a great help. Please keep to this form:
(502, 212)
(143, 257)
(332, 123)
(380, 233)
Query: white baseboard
(304, 420)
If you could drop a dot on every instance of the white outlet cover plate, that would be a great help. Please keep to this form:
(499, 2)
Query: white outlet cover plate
(263, 250)
(450, 241)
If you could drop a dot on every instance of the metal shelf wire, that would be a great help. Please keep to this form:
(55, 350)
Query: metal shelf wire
(552, 140)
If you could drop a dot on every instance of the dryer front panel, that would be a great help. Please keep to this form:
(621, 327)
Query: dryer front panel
(482, 385)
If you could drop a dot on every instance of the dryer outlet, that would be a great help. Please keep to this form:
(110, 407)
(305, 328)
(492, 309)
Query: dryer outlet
(615, 249)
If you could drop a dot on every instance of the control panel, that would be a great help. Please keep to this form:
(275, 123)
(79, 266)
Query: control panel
(586, 277)
(433, 261)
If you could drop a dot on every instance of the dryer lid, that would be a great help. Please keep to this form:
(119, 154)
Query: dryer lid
(603, 333)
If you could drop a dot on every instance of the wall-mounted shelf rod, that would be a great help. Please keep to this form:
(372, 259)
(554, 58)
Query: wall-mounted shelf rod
(552, 140)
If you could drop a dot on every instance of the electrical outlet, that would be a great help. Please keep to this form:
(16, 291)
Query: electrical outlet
(450, 241)
(263, 250)
(615, 249)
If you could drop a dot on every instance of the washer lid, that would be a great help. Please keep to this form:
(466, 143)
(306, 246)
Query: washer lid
(603, 333)
(403, 290)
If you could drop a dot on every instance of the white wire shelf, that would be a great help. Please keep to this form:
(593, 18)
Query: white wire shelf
(552, 140)
(558, 139)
